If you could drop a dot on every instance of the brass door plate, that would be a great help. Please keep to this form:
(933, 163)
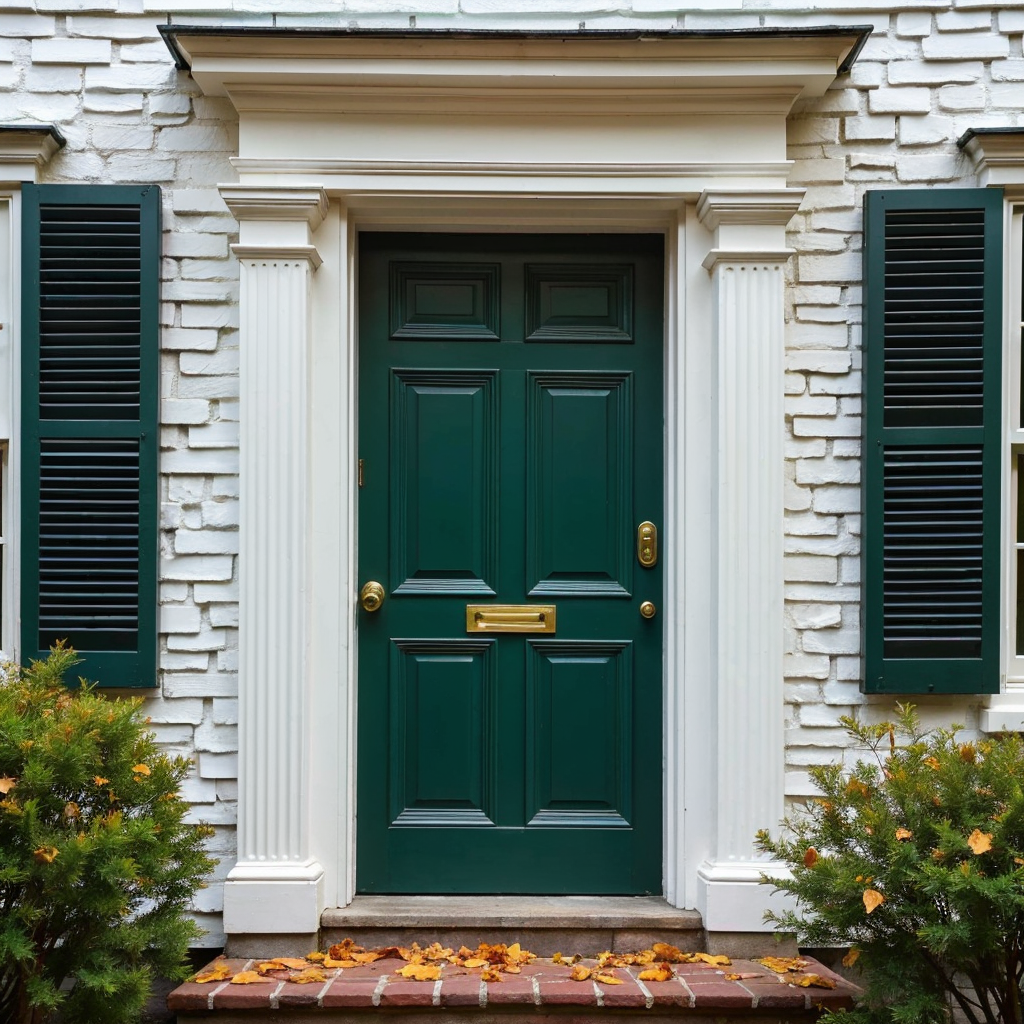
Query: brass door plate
(647, 545)
(510, 618)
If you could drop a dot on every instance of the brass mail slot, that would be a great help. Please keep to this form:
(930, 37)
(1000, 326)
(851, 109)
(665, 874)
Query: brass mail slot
(510, 618)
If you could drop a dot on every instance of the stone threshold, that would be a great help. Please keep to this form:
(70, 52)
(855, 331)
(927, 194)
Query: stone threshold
(540, 994)
(545, 925)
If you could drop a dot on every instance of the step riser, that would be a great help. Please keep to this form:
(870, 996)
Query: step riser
(441, 1016)
(542, 941)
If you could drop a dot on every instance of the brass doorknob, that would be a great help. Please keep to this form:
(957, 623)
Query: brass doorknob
(647, 610)
(371, 597)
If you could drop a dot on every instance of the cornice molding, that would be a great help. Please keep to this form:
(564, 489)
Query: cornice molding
(770, 206)
(302, 203)
(24, 148)
(998, 154)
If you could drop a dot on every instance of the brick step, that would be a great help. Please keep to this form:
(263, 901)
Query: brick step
(542, 994)
(587, 925)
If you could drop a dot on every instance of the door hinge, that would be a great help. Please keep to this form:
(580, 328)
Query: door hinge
(360, 473)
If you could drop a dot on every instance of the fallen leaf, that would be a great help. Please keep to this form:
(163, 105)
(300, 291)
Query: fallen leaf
(308, 975)
(292, 962)
(7, 784)
(608, 979)
(873, 899)
(266, 966)
(714, 961)
(478, 962)
(316, 958)
(663, 951)
(851, 958)
(663, 973)
(814, 981)
(72, 811)
(141, 769)
(810, 857)
(45, 854)
(219, 972)
(514, 951)
(783, 964)
(491, 974)
(556, 959)
(979, 842)
(245, 978)
(420, 972)
(743, 977)
(328, 962)
(513, 969)
(579, 973)
(99, 780)
(365, 958)
(904, 833)
(932, 762)
(343, 950)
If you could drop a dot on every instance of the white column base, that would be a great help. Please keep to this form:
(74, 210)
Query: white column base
(732, 898)
(274, 898)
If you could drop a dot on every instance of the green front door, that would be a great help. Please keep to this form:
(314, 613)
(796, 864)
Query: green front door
(510, 685)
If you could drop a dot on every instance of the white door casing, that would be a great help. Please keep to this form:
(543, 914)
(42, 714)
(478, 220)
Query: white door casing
(406, 131)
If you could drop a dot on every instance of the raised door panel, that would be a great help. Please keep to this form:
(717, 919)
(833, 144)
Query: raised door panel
(444, 301)
(579, 474)
(579, 712)
(444, 463)
(579, 303)
(441, 743)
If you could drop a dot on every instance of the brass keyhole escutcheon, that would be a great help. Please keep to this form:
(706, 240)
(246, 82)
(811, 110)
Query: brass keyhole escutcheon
(647, 610)
(647, 544)
(371, 597)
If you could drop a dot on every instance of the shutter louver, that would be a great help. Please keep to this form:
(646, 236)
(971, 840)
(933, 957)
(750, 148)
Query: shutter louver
(91, 365)
(931, 430)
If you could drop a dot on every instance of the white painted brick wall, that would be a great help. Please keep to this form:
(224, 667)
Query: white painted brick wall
(97, 68)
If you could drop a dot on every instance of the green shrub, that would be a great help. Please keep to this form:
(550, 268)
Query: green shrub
(97, 863)
(916, 859)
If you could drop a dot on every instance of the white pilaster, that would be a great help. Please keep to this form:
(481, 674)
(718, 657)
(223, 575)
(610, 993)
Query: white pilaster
(746, 265)
(277, 883)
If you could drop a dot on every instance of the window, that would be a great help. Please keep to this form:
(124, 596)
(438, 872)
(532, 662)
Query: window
(932, 449)
(89, 436)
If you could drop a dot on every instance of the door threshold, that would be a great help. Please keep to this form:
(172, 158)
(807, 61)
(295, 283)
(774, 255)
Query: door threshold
(545, 925)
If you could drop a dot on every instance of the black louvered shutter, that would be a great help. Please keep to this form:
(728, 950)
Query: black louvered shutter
(932, 378)
(90, 376)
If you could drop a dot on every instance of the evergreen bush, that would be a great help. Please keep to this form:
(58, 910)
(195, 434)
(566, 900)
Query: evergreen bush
(97, 861)
(915, 858)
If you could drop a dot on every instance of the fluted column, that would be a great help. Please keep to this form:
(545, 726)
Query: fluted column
(746, 265)
(276, 884)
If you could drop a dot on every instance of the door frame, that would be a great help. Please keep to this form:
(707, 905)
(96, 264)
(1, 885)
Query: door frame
(706, 166)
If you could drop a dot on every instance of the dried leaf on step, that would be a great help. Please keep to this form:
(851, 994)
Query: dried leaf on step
(743, 977)
(475, 962)
(714, 961)
(308, 975)
(663, 951)
(421, 972)
(246, 978)
(329, 962)
(782, 964)
(579, 973)
(293, 963)
(491, 974)
(316, 958)
(661, 973)
(813, 981)
(218, 972)
(608, 979)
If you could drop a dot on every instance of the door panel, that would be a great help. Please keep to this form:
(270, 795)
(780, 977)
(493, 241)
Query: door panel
(511, 437)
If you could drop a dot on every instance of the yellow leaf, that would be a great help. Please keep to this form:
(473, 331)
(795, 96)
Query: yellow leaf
(556, 959)
(291, 962)
(141, 769)
(810, 857)
(99, 780)
(45, 854)
(656, 974)
(782, 964)
(513, 969)
(933, 763)
(815, 980)
(514, 950)
(608, 979)
(219, 972)
(715, 961)
(477, 962)
(329, 962)
(491, 974)
(980, 842)
(579, 973)
(7, 784)
(663, 951)
(308, 975)
(343, 950)
(420, 972)
(245, 978)
(851, 958)
(904, 833)
(365, 958)
(745, 976)
(316, 958)
(873, 899)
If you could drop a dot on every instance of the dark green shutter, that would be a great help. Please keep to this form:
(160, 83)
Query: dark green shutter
(932, 426)
(90, 439)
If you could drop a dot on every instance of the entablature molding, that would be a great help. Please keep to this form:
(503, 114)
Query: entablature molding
(292, 202)
(25, 148)
(752, 258)
(749, 206)
(998, 155)
(278, 254)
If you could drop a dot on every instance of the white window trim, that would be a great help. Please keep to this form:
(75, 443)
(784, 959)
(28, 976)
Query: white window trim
(10, 412)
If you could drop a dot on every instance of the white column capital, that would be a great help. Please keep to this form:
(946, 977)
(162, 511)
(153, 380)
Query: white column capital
(746, 257)
(744, 206)
(277, 202)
